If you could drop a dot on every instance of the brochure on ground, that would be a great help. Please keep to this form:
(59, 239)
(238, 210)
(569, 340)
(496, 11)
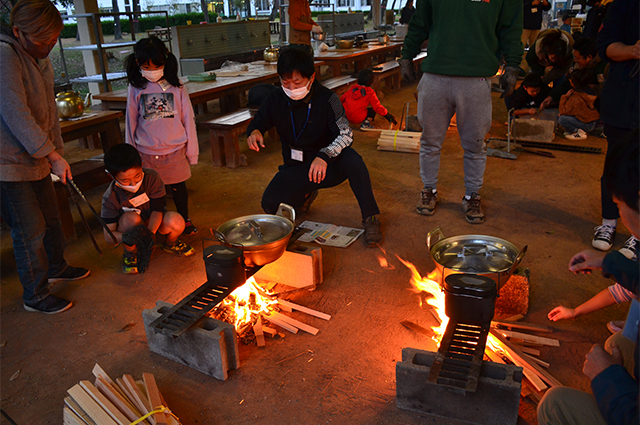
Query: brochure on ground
(329, 234)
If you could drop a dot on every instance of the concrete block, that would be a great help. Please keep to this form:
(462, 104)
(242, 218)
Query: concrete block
(209, 346)
(299, 267)
(534, 130)
(495, 401)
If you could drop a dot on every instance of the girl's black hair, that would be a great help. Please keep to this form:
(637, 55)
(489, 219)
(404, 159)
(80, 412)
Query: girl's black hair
(151, 50)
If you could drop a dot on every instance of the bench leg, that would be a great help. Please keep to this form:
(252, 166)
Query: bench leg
(232, 149)
(216, 139)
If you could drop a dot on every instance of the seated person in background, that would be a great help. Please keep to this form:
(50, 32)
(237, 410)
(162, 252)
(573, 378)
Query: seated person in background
(578, 114)
(528, 97)
(553, 48)
(316, 143)
(615, 390)
(135, 197)
(566, 23)
(585, 56)
(361, 103)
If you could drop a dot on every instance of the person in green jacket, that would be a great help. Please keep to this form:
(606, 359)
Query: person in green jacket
(466, 42)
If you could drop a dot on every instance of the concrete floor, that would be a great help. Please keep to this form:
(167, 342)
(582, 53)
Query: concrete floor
(346, 373)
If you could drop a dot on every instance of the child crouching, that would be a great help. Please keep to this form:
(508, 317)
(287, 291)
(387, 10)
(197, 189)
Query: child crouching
(578, 114)
(361, 103)
(137, 197)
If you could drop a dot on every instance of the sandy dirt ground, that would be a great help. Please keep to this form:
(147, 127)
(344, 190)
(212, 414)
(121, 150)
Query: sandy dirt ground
(346, 373)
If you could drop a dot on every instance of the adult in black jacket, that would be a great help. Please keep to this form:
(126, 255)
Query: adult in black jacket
(532, 20)
(316, 143)
(407, 12)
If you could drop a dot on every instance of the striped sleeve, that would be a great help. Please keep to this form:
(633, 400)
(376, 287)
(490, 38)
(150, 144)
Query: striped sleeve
(620, 294)
(344, 138)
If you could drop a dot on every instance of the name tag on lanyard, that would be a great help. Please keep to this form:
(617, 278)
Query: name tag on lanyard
(297, 154)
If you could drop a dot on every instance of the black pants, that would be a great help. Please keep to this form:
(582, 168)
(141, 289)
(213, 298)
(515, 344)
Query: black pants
(291, 184)
(180, 197)
(609, 208)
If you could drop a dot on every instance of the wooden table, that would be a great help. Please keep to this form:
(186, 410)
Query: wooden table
(104, 123)
(361, 57)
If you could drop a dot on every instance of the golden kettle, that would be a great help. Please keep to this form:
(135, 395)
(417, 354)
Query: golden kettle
(271, 54)
(71, 105)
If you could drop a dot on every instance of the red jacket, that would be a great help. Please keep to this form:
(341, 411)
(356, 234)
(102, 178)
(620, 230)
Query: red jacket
(301, 22)
(356, 100)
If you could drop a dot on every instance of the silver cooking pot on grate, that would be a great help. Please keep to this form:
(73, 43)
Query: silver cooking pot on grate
(474, 254)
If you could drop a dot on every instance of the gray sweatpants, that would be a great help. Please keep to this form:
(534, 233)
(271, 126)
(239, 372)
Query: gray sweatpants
(439, 97)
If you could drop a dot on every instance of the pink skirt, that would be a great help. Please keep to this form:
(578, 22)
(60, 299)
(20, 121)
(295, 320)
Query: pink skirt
(172, 168)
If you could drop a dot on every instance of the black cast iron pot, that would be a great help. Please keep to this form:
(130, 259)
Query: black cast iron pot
(470, 298)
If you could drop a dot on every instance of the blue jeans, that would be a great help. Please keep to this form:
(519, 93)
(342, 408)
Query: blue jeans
(31, 210)
(571, 124)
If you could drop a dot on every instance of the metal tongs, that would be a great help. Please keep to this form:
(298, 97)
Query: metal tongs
(72, 184)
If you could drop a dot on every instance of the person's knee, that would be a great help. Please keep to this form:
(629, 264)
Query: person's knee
(128, 221)
(173, 221)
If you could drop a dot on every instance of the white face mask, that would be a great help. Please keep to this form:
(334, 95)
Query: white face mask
(299, 93)
(153, 75)
(134, 188)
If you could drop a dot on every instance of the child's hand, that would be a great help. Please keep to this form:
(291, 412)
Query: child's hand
(561, 312)
(255, 141)
(545, 103)
(585, 261)
(532, 111)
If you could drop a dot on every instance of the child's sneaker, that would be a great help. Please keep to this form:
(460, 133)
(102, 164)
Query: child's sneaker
(366, 125)
(180, 248)
(578, 135)
(630, 248)
(189, 228)
(603, 237)
(129, 263)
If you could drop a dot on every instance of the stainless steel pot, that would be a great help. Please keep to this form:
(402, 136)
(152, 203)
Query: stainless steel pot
(383, 39)
(262, 237)
(319, 36)
(474, 254)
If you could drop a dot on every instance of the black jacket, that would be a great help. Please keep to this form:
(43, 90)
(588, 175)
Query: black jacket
(325, 134)
(532, 15)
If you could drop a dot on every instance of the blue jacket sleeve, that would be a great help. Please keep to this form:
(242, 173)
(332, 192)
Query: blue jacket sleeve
(616, 393)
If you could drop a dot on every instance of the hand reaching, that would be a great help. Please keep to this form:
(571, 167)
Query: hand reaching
(598, 360)
(586, 261)
(560, 313)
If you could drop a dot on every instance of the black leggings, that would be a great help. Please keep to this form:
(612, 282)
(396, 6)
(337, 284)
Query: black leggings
(180, 197)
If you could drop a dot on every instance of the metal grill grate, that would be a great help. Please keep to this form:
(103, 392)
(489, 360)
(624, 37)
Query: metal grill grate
(459, 359)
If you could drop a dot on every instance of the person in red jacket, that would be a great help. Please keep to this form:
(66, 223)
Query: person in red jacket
(301, 25)
(361, 103)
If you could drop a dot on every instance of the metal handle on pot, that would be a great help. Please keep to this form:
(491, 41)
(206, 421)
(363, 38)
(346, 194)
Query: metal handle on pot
(289, 209)
(222, 239)
(256, 228)
(434, 232)
(518, 259)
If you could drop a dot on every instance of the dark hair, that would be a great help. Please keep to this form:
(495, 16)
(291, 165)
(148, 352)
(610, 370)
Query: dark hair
(621, 176)
(151, 50)
(586, 47)
(365, 77)
(565, 17)
(294, 59)
(554, 44)
(532, 80)
(121, 157)
(580, 79)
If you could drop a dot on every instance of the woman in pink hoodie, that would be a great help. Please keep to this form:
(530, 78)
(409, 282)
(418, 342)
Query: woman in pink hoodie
(361, 103)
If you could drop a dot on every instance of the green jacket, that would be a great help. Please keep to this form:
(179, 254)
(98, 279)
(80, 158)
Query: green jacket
(466, 37)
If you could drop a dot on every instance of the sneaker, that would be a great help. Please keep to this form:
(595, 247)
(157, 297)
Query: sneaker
(472, 209)
(180, 248)
(308, 200)
(129, 263)
(427, 203)
(630, 248)
(372, 231)
(50, 305)
(615, 326)
(578, 135)
(71, 273)
(189, 228)
(366, 125)
(603, 237)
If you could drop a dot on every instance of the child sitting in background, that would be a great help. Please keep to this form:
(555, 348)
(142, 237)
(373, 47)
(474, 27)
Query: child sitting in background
(160, 122)
(578, 114)
(566, 23)
(361, 103)
(528, 97)
(135, 197)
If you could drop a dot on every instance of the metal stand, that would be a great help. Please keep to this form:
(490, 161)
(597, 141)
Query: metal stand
(497, 147)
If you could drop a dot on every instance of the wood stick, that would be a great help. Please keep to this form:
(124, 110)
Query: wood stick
(514, 318)
(527, 350)
(153, 395)
(535, 380)
(493, 356)
(269, 331)
(415, 327)
(91, 408)
(128, 395)
(530, 338)
(522, 325)
(70, 418)
(137, 397)
(403, 150)
(71, 404)
(257, 329)
(118, 400)
(403, 133)
(303, 309)
(298, 324)
(547, 377)
(99, 372)
(537, 360)
(282, 324)
(106, 405)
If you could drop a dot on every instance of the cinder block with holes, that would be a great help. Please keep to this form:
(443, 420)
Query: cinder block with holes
(209, 346)
(495, 401)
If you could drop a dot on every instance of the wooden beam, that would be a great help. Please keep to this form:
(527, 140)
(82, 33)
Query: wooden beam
(528, 350)
(71, 404)
(257, 329)
(154, 397)
(304, 309)
(70, 418)
(281, 323)
(106, 405)
(136, 397)
(523, 325)
(527, 338)
(269, 331)
(91, 408)
(99, 372)
(537, 360)
(296, 323)
(118, 400)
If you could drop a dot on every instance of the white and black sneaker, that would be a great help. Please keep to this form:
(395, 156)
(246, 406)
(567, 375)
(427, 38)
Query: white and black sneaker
(630, 248)
(603, 237)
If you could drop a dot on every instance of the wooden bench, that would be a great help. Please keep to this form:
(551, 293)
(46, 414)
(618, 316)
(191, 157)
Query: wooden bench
(223, 137)
(388, 72)
(337, 84)
(417, 62)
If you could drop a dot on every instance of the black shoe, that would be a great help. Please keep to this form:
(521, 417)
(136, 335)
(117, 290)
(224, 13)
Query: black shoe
(189, 228)
(71, 273)
(49, 305)
(308, 200)
(372, 231)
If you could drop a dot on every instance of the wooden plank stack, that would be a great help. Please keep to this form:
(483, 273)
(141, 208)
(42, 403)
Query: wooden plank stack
(119, 402)
(399, 141)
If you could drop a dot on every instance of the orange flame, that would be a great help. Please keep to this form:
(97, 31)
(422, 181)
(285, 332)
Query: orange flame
(430, 286)
(247, 304)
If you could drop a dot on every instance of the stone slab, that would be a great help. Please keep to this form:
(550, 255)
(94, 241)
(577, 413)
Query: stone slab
(209, 346)
(495, 401)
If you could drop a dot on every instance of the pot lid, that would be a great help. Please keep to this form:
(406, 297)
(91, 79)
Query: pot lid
(256, 230)
(222, 255)
(475, 254)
